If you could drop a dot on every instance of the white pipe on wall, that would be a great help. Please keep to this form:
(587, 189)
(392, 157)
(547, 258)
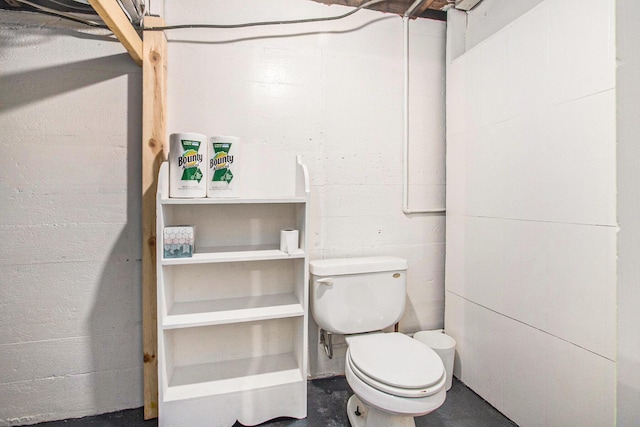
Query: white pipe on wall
(405, 136)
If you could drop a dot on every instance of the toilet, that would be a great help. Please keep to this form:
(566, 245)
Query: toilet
(394, 377)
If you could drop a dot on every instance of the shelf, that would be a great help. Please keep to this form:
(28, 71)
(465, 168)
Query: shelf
(232, 321)
(188, 382)
(232, 310)
(233, 254)
(233, 201)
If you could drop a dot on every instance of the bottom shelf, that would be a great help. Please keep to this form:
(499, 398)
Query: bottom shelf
(231, 376)
(249, 407)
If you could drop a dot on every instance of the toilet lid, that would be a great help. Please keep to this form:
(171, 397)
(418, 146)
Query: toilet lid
(396, 360)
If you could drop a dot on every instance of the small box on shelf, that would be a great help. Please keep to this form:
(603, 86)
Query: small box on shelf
(179, 241)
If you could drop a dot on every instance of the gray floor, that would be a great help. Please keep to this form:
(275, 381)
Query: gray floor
(327, 401)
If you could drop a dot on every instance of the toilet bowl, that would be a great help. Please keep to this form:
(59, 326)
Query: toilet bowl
(394, 380)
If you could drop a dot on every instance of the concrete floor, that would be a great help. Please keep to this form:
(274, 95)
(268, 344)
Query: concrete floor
(327, 401)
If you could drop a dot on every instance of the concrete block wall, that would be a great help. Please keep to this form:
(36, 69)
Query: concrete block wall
(531, 220)
(70, 306)
(70, 294)
(331, 92)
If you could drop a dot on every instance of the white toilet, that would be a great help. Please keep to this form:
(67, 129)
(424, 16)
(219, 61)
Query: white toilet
(394, 377)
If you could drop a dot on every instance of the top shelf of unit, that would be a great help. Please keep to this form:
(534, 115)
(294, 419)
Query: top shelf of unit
(260, 184)
(233, 201)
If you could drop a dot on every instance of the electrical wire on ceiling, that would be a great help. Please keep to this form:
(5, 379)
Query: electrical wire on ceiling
(256, 24)
(75, 6)
(140, 9)
(48, 11)
(135, 9)
(82, 12)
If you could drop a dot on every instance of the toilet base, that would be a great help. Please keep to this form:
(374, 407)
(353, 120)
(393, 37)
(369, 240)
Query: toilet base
(373, 417)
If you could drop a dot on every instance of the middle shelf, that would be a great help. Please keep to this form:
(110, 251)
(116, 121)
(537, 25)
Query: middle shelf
(231, 310)
(263, 252)
(219, 293)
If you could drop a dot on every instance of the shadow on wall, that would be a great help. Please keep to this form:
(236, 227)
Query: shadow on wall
(113, 377)
(116, 318)
(43, 83)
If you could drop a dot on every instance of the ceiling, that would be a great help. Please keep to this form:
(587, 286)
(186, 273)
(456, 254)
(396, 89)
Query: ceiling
(428, 9)
(79, 10)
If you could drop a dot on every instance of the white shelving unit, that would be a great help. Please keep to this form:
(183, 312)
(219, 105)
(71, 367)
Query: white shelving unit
(232, 319)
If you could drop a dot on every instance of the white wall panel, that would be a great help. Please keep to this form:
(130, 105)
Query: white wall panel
(491, 16)
(531, 223)
(456, 99)
(455, 254)
(484, 81)
(533, 377)
(559, 164)
(456, 194)
(582, 36)
(579, 380)
(454, 320)
(526, 60)
(525, 376)
(559, 278)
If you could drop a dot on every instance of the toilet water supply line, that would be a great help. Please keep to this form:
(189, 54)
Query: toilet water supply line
(405, 136)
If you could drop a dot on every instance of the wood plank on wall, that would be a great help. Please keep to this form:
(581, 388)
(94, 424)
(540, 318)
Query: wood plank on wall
(154, 152)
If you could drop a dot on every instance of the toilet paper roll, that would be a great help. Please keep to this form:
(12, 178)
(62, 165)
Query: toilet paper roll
(289, 241)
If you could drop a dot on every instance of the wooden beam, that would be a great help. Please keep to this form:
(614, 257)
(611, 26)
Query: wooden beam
(426, 5)
(155, 149)
(112, 15)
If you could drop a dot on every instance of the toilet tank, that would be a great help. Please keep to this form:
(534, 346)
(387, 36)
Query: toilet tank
(355, 295)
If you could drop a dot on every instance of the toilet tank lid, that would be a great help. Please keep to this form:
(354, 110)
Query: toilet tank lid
(338, 266)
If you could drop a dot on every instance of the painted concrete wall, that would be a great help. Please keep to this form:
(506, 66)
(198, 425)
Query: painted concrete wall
(70, 310)
(628, 129)
(331, 92)
(531, 221)
(70, 298)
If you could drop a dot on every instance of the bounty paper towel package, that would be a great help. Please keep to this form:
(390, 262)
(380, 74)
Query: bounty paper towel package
(187, 163)
(223, 166)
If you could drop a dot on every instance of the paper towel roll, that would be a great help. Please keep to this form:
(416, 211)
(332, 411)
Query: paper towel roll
(223, 166)
(187, 157)
(289, 241)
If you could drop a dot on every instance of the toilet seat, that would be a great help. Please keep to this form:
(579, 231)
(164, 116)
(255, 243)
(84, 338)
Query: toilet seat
(390, 403)
(396, 364)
